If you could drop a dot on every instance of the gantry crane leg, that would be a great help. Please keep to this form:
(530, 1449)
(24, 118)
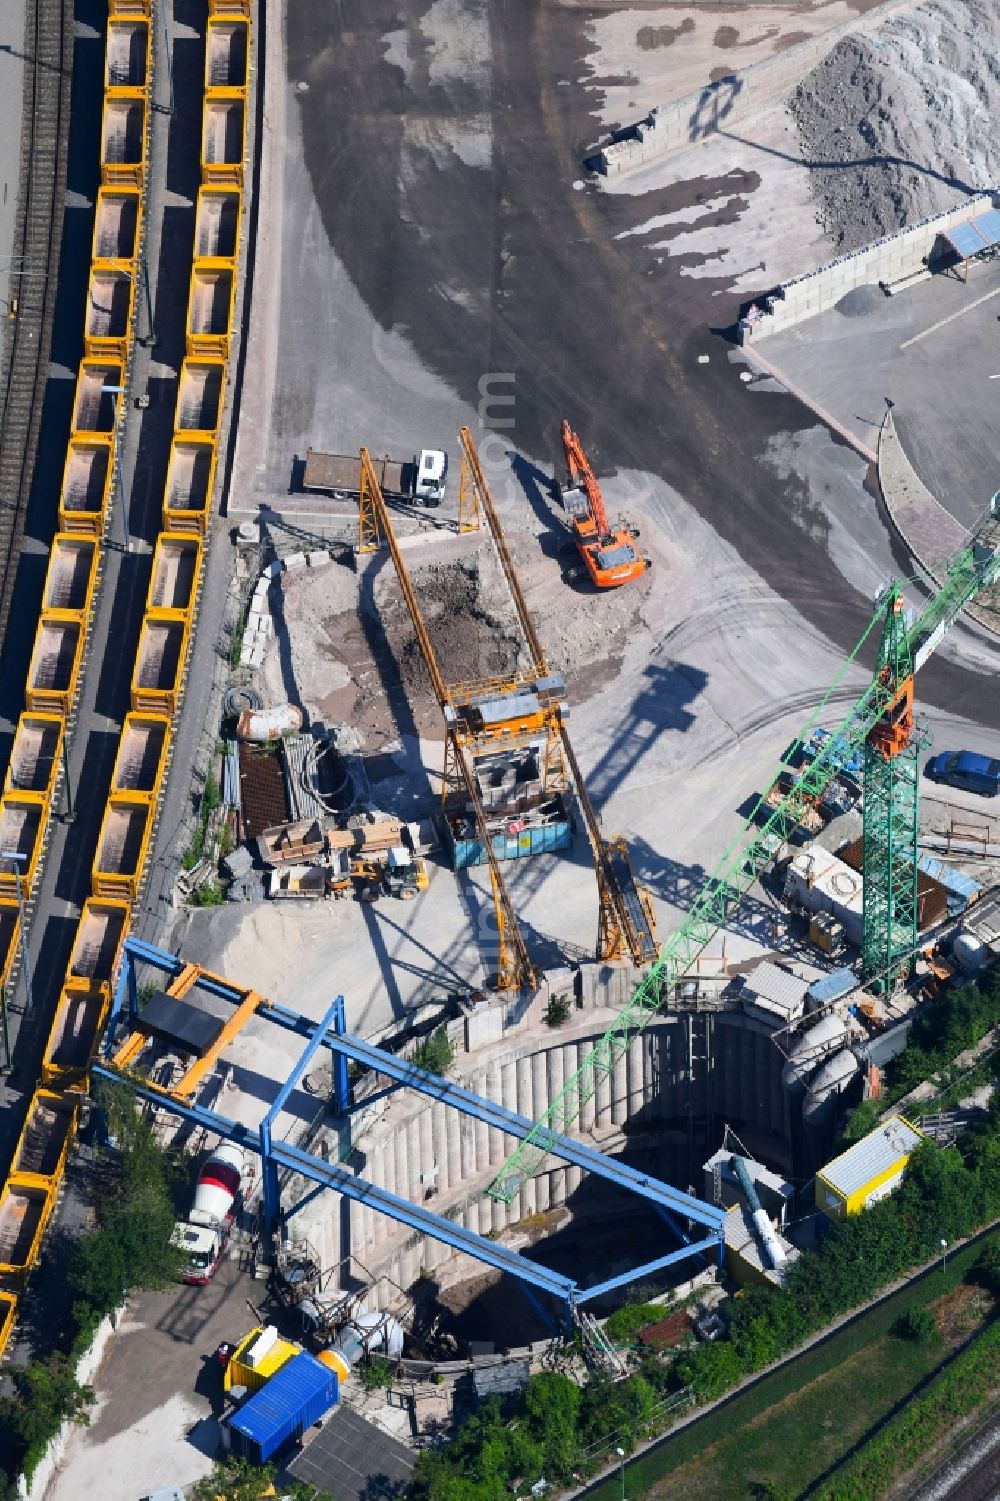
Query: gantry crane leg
(468, 496)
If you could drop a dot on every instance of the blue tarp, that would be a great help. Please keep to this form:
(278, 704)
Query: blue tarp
(965, 239)
(829, 987)
(961, 889)
(988, 225)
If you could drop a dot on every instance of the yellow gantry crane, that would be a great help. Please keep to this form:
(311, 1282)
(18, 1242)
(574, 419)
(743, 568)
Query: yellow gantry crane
(514, 967)
(502, 713)
(626, 927)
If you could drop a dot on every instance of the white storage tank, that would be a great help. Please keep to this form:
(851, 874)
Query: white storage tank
(827, 1083)
(268, 724)
(811, 1048)
(970, 953)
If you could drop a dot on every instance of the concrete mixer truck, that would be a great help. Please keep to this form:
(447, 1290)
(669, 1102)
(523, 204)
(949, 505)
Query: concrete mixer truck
(204, 1235)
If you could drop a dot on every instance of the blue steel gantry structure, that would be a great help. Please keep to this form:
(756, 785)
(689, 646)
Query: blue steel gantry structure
(678, 1210)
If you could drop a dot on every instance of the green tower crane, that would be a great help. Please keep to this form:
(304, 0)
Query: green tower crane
(880, 722)
(891, 811)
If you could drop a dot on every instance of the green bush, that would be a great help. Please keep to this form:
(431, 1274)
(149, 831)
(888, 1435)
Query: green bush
(558, 1010)
(130, 1248)
(208, 894)
(238, 1480)
(47, 1394)
(916, 1324)
(987, 1267)
(436, 1054)
(376, 1373)
(627, 1322)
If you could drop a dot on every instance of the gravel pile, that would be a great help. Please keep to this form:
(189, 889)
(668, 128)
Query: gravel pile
(900, 125)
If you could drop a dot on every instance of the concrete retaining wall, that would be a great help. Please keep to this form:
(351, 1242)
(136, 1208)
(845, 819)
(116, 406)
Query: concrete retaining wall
(674, 127)
(51, 1461)
(426, 1153)
(888, 260)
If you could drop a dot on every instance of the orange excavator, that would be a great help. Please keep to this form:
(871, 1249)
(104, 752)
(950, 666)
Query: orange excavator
(608, 552)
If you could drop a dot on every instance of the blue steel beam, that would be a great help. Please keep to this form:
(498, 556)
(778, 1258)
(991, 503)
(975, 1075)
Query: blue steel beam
(412, 1215)
(508, 1121)
(588, 1159)
(711, 1244)
(316, 1040)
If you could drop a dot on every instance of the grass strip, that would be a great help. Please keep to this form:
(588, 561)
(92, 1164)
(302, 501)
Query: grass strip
(971, 1379)
(644, 1472)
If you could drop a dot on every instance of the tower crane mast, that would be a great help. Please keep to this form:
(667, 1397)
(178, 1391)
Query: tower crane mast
(878, 714)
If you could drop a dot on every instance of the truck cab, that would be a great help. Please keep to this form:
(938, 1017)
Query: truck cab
(431, 479)
(202, 1248)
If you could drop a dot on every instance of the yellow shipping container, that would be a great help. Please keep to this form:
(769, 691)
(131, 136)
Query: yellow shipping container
(124, 137)
(175, 574)
(142, 754)
(75, 1036)
(110, 309)
(23, 818)
(117, 225)
(223, 136)
(25, 1208)
(868, 1171)
(45, 1140)
(86, 486)
(187, 502)
(257, 1357)
(100, 934)
(36, 755)
(217, 224)
(211, 304)
(54, 669)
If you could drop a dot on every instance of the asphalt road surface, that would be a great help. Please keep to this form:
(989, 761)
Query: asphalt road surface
(450, 183)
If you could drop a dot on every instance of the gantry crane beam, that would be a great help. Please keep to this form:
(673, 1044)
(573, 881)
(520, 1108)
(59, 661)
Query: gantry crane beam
(973, 568)
(514, 968)
(482, 492)
(625, 917)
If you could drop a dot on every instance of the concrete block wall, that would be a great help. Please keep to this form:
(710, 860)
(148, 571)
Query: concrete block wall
(674, 127)
(887, 260)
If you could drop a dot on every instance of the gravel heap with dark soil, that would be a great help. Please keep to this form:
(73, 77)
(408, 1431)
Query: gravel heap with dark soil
(899, 125)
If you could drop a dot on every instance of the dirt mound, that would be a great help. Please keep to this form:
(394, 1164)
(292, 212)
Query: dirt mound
(860, 301)
(898, 126)
(470, 620)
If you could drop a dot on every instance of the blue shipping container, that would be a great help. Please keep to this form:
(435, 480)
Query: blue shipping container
(286, 1405)
(542, 841)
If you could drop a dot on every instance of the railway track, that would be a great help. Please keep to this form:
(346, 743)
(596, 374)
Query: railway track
(48, 49)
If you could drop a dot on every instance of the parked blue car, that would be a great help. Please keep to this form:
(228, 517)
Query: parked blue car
(966, 770)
